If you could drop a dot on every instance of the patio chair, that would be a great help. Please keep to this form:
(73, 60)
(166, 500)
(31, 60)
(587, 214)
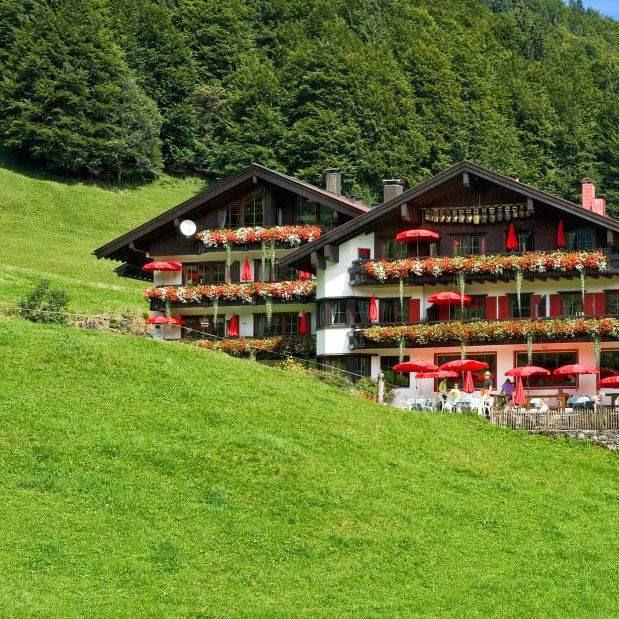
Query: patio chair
(448, 405)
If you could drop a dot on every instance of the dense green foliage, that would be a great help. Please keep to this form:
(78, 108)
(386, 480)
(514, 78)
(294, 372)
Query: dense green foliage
(389, 88)
(142, 478)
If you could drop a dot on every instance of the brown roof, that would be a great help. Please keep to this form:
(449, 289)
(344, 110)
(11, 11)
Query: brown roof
(363, 222)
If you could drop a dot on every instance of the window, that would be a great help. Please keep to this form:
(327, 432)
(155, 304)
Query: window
(579, 239)
(390, 310)
(309, 212)
(475, 311)
(361, 310)
(609, 363)
(525, 305)
(392, 249)
(280, 273)
(354, 366)
(571, 304)
(397, 379)
(200, 327)
(205, 273)
(550, 361)
(467, 244)
(282, 323)
(478, 377)
(249, 211)
(363, 253)
(525, 241)
(338, 312)
(612, 302)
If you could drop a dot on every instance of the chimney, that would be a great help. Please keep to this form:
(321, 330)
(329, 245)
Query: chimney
(333, 180)
(392, 188)
(589, 201)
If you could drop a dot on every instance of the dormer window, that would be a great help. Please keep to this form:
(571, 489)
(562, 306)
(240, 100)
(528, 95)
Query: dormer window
(246, 212)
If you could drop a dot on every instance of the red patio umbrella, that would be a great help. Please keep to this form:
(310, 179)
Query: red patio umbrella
(415, 366)
(607, 372)
(157, 320)
(511, 242)
(527, 370)
(176, 320)
(560, 235)
(246, 271)
(464, 365)
(519, 392)
(575, 369)
(162, 266)
(303, 326)
(418, 235)
(305, 275)
(609, 381)
(468, 386)
(233, 326)
(373, 310)
(449, 298)
(437, 374)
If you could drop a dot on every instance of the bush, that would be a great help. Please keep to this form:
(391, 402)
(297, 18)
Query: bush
(368, 388)
(44, 304)
(335, 379)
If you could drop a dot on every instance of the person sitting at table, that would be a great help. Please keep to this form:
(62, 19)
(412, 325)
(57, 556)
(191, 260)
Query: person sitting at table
(455, 392)
(508, 390)
(541, 406)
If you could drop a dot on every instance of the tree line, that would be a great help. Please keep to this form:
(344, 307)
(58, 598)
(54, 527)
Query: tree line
(378, 88)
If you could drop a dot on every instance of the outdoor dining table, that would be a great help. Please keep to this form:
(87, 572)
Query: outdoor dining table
(560, 397)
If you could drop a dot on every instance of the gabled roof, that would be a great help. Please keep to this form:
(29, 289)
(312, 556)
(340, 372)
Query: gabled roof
(121, 248)
(364, 222)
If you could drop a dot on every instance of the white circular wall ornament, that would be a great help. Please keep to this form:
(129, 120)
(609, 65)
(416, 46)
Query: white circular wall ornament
(188, 227)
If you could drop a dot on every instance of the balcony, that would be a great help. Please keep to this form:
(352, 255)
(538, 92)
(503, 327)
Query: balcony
(533, 265)
(478, 332)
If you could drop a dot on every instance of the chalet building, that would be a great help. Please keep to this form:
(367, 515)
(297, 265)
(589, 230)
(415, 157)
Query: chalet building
(485, 265)
(213, 261)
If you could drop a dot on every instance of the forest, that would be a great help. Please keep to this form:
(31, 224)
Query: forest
(379, 88)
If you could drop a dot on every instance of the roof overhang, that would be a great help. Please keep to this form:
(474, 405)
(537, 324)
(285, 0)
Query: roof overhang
(124, 247)
(363, 223)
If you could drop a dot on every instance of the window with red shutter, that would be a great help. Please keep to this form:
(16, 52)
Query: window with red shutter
(555, 305)
(414, 310)
(504, 307)
(491, 308)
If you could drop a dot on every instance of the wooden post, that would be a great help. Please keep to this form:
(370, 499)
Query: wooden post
(381, 388)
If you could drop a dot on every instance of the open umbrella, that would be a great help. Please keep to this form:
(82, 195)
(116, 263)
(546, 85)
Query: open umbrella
(410, 236)
(233, 326)
(561, 235)
(303, 326)
(157, 320)
(519, 392)
(305, 275)
(415, 366)
(437, 374)
(162, 266)
(176, 320)
(246, 271)
(464, 365)
(575, 369)
(511, 242)
(606, 372)
(449, 298)
(468, 386)
(528, 370)
(609, 381)
(373, 310)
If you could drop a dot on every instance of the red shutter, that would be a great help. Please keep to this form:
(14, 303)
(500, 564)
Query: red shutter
(589, 304)
(491, 313)
(504, 307)
(599, 303)
(414, 310)
(535, 301)
(555, 305)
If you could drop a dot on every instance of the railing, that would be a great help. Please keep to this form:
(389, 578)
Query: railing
(360, 277)
(599, 419)
(159, 305)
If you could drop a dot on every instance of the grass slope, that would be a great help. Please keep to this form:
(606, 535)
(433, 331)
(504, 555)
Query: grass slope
(49, 227)
(146, 478)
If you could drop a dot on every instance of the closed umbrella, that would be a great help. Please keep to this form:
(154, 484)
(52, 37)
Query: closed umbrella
(373, 310)
(511, 242)
(233, 326)
(561, 235)
(246, 271)
(468, 386)
(519, 393)
(303, 324)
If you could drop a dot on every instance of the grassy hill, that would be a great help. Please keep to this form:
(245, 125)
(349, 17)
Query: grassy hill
(145, 478)
(49, 227)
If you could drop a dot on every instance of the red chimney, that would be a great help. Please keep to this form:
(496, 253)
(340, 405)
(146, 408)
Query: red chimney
(589, 201)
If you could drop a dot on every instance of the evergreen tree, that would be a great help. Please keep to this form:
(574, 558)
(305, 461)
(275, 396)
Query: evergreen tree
(69, 99)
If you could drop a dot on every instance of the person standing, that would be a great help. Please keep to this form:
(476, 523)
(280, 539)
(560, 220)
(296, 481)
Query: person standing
(487, 381)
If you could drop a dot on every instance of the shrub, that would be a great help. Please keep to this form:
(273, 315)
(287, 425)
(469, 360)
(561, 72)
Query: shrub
(335, 379)
(368, 388)
(44, 304)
